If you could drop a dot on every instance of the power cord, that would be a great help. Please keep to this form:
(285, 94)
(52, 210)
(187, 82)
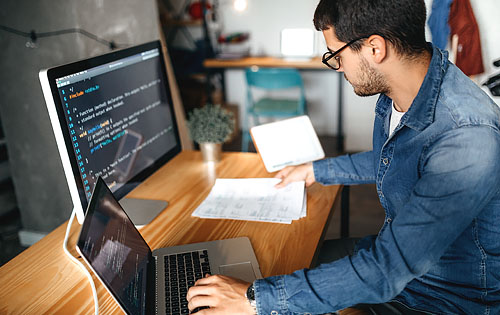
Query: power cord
(33, 36)
(76, 261)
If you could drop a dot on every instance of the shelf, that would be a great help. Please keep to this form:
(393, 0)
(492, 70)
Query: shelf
(171, 22)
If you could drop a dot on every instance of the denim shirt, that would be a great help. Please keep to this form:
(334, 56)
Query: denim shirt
(438, 179)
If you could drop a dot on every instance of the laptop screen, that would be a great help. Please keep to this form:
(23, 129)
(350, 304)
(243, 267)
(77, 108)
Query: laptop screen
(116, 251)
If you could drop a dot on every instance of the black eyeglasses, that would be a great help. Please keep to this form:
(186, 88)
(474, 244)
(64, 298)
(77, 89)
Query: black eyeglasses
(332, 60)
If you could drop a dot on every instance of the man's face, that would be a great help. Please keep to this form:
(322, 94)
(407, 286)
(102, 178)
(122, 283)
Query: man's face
(365, 79)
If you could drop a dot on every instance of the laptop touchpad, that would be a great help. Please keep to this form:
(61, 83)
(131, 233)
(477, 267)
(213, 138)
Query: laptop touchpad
(243, 271)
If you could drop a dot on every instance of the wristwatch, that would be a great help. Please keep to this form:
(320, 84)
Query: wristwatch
(250, 295)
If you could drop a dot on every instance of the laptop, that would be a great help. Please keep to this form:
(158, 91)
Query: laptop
(153, 282)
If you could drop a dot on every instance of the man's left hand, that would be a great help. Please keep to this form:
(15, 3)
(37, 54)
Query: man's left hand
(224, 295)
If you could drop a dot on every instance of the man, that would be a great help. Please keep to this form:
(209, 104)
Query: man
(435, 162)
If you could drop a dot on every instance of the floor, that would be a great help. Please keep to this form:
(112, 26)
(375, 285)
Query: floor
(366, 213)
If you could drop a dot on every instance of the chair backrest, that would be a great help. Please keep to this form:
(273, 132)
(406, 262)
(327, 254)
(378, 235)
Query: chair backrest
(274, 78)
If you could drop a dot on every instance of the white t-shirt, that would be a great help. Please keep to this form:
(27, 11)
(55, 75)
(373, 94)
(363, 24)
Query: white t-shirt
(395, 119)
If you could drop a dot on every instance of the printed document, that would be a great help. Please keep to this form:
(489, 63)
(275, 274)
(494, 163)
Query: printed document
(254, 199)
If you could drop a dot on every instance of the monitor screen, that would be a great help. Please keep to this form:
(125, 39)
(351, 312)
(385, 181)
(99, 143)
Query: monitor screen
(113, 117)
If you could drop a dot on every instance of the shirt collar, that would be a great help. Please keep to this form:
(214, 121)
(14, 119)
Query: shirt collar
(421, 112)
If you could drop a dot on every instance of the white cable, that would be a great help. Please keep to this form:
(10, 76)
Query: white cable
(76, 261)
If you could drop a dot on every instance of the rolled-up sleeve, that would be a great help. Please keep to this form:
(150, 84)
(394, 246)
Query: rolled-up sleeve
(349, 169)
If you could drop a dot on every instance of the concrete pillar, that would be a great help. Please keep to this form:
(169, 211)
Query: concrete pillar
(40, 186)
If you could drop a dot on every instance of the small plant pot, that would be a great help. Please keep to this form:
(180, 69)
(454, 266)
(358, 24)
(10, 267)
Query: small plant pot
(211, 152)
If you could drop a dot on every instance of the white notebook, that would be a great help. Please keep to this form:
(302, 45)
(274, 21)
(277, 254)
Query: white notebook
(287, 142)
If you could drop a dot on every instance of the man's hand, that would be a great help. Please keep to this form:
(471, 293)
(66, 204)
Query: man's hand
(297, 173)
(224, 295)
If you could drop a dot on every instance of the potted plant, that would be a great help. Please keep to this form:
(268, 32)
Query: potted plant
(210, 126)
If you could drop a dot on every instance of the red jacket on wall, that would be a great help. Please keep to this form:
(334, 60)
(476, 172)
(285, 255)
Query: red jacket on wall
(463, 23)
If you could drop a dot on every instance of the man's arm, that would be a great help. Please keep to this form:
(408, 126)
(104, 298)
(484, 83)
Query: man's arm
(460, 174)
(347, 169)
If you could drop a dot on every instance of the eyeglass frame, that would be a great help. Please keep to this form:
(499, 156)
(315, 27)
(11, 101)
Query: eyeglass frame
(335, 54)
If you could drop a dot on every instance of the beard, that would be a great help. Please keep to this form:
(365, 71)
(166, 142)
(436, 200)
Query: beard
(370, 82)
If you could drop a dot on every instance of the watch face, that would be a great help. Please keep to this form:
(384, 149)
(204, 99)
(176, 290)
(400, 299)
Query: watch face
(250, 293)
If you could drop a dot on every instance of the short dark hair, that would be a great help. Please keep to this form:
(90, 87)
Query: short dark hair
(401, 22)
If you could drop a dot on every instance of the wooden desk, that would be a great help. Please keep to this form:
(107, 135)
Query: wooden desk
(42, 279)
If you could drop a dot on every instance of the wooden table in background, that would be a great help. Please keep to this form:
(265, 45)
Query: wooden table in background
(270, 62)
(42, 279)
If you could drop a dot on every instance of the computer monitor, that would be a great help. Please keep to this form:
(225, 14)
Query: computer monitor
(113, 117)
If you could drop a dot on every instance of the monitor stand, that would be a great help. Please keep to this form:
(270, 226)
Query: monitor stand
(142, 211)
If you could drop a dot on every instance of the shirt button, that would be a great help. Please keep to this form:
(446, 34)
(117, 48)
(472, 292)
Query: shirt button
(274, 313)
(385, 161)
(389, 220)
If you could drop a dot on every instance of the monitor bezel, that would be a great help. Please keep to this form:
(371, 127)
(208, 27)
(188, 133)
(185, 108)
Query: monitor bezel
(61, 131)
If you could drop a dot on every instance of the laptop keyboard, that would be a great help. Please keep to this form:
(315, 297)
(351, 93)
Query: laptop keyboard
(181, 272)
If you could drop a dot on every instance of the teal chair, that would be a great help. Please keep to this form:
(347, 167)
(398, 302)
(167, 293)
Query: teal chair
(268, 80)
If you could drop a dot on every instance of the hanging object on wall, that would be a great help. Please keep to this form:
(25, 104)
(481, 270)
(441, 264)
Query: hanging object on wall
(195, 9)
(465, 31)
(438, 22)
(33, 36)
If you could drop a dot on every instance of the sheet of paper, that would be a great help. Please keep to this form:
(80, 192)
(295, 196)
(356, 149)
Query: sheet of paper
(287, 142)
(254, 199)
